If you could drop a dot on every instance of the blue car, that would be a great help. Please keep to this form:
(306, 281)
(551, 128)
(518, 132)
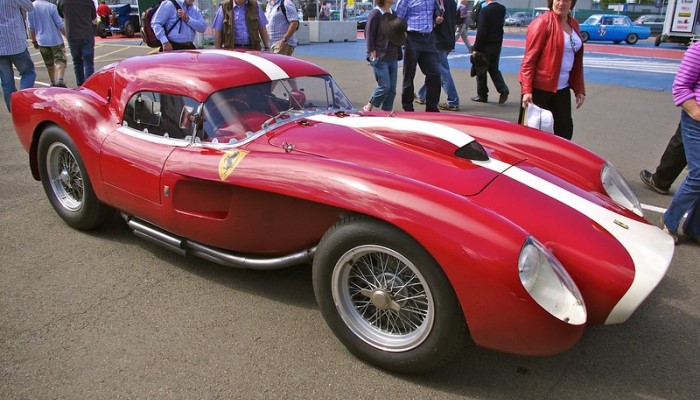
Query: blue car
(614, 28)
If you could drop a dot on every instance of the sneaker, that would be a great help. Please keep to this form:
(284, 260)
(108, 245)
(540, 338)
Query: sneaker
(480, 99)
(59, 84)
(648, 178)
(503, 98)
(419, 100)
(447, 107)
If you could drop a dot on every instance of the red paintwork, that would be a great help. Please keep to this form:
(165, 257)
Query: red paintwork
(276, 203)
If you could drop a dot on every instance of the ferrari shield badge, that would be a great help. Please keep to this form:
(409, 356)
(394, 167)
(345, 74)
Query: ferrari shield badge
(229, 161)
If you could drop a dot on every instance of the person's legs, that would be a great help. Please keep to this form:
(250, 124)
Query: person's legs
(421, 93)
(89, 56)
(393, 69)
(76, 52)
(60, 63)
(410, 60)
(24, 64)
(381, 75)
(448, 84)
(688, 193)
(495, 73)
(47, 56)
(7, 78)
(672, 162)
(429, 62)
(560, 106)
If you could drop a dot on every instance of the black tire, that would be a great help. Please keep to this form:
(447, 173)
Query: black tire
(584, 36)
(373, 310)
(129, 29)
(66, 182)
(632, 38)
(657, 42)
(101, 30)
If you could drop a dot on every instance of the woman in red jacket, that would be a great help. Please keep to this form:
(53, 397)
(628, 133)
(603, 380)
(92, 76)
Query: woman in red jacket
(553, 65)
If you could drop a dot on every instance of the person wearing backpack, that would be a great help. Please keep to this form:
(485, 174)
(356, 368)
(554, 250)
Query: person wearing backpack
(240, 24)
(175, 24)
(282, 23)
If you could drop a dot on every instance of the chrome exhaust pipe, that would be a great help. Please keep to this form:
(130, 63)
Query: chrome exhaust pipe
(226, 258)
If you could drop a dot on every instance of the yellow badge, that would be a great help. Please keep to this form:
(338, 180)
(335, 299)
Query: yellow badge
(229, 161)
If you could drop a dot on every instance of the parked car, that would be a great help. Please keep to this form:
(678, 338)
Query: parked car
(612, 27)
(361, 19)
(419, 226)
(124, 20)
(519, 19)
(655, 22)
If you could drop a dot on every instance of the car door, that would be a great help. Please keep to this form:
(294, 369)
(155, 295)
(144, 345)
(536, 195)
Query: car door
(132, 156)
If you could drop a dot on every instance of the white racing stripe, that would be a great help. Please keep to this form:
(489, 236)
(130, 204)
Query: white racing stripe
(272, 70)
(651, 250)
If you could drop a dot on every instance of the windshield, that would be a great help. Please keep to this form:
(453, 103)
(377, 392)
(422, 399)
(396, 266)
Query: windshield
(592, 20)
(237, 115)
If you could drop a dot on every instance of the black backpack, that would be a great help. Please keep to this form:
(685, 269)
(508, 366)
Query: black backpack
(147, 34)
(474, 16)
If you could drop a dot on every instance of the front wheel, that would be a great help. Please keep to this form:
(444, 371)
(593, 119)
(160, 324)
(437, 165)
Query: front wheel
(632, 38)
(386, 298)
(584, 36)
(657, 42)
(66, 182)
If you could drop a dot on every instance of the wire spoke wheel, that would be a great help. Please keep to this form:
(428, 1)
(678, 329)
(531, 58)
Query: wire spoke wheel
(65, 176)
(383, 298)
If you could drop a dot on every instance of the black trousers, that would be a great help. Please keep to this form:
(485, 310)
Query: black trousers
(559, 104)
(672, 162)
(493, 53)
(421, 51)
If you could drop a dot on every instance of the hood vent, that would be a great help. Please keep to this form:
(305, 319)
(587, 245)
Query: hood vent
(472, 151)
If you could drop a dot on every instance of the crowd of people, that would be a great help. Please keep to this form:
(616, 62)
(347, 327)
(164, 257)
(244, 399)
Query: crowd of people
(422, 33)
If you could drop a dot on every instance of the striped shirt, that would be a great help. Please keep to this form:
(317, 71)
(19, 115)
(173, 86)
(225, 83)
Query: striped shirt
(13, 37)
(686, 86)
(45, 23)
(277, 24)
(418, 14)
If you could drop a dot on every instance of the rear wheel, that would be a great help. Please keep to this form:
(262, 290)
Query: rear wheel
(129, 29)
(66, 183)
(584, 36)
(386, 298)
(632, 38)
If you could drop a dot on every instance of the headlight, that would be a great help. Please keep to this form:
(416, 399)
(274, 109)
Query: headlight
(617, 188)
(549, 284)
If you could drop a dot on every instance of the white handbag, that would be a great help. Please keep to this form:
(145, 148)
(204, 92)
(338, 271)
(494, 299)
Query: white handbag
(538, 118)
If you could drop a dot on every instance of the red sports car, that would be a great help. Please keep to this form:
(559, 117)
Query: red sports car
(421, 227)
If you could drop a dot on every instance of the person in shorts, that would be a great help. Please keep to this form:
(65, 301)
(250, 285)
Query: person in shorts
(45, 30)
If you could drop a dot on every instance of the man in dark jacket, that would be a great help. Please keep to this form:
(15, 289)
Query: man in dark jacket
(489, 40)
(78, 16)
(445, 42)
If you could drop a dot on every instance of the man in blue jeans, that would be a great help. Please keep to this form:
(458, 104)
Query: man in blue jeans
(78, 16)
(13, 47)
(445, 43)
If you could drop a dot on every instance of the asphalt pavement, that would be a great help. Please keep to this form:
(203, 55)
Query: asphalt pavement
(103, 314)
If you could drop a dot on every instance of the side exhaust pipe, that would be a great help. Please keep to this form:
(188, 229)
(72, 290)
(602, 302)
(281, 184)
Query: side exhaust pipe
(183, 246)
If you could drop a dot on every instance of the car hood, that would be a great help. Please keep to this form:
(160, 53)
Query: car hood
(417, 149)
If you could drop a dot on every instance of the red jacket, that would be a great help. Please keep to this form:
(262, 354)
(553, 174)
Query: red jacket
(544, 50)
